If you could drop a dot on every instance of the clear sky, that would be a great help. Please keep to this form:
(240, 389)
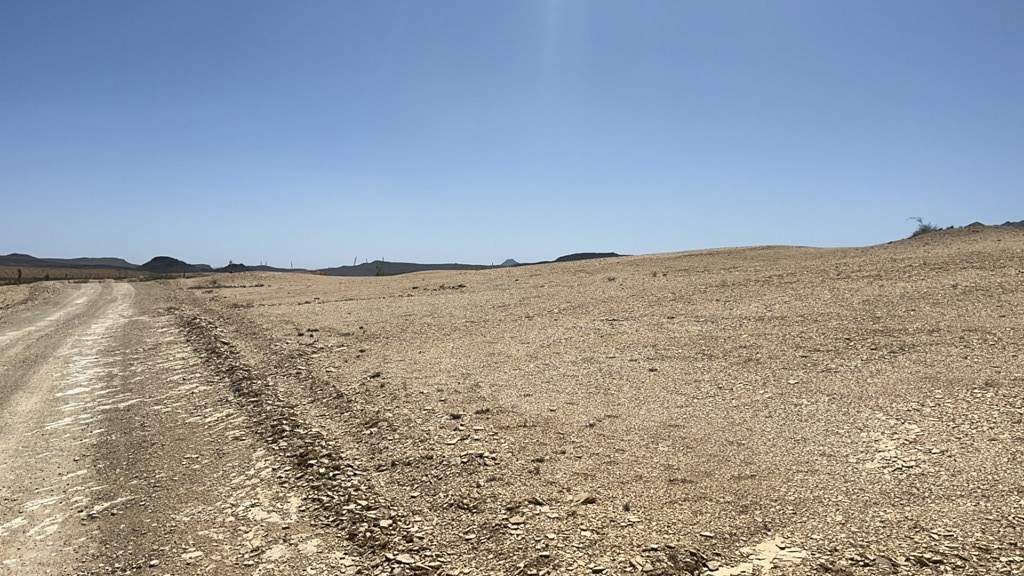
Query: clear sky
(317, 132)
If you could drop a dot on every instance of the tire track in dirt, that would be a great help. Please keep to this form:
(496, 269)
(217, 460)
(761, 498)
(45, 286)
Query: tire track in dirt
(195, 491)
(338, 493)
(122, 452)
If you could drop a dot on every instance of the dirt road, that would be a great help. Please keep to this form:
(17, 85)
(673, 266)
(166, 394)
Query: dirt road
(55, 385)
(120, 452)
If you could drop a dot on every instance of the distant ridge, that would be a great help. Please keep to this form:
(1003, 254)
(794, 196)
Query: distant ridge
(104, 262)
(575, 257)
(382, 268)
(1018, 224)
(239, 267)
(586, 256)
(16, 259)
(170, 265)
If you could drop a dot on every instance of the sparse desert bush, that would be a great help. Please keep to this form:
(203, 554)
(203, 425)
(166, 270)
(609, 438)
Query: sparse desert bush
(923, 227)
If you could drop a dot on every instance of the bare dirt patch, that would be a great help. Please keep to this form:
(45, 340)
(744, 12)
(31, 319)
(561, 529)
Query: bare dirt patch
(788, 409)
(22, 295)
(32, 273)
(763, 410)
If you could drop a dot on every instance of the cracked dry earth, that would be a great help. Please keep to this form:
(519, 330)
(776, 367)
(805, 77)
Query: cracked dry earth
(769, 410)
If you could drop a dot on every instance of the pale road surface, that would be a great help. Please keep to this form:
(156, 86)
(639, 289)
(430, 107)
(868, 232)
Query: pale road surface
(55, 385)
(121, 452)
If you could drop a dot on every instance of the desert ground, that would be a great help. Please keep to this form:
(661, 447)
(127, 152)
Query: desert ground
(766, 410)
(10, 273)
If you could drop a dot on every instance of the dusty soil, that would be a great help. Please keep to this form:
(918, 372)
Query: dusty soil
(763, 410)
(54, 273)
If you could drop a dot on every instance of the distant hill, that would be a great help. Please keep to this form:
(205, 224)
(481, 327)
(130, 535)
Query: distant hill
(1019, 224)
(168, 265)
(575, 257)
(586, 256)
(238, 267)
(108, 262)
(27, 261)
(382, 268)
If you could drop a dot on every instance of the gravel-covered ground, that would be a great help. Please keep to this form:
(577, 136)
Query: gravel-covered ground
(848, 410)
(738, 411)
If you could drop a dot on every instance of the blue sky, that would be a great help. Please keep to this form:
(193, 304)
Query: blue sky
(314, 133)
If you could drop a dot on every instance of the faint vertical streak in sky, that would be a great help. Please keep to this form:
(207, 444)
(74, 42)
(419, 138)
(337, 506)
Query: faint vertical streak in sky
(550, 80)
(552, 28)
(552, 25)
